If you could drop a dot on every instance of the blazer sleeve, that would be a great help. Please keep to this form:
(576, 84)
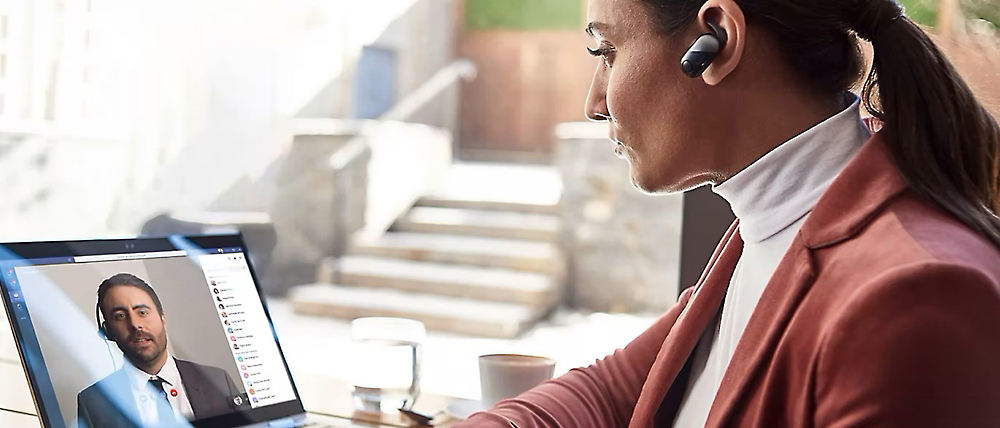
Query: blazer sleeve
(603, 394)
(919, 347)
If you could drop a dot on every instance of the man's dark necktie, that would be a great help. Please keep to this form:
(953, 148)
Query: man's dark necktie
(163, 410)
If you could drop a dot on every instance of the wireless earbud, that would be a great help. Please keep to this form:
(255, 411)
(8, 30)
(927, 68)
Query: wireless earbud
(703, 51)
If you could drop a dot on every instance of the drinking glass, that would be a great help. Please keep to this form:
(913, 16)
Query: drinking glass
(386, 370)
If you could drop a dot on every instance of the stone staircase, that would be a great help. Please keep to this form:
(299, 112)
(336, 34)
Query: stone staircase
(479, 257)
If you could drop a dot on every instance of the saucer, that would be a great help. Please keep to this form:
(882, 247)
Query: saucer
(463, 408)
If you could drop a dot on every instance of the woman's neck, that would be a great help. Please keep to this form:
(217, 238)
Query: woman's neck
(767, 119)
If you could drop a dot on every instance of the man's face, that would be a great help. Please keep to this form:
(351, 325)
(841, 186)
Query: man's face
(137, 327)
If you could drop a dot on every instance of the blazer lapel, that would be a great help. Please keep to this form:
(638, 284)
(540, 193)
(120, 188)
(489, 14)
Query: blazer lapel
(684, 335)
(191, 387)
(862, 190)
(777, 304)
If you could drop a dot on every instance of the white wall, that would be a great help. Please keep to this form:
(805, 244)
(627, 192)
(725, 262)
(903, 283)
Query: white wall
(217, 99)
(408, 161)
(199, 93)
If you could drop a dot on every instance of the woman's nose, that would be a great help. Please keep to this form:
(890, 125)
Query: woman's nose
(597, 105)
(598, 113)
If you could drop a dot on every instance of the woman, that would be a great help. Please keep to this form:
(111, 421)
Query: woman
(860, 285)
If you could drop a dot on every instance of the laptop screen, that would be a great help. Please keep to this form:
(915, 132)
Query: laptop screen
(145, 332)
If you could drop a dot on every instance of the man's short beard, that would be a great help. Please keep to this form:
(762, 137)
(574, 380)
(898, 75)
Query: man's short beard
(159, 347)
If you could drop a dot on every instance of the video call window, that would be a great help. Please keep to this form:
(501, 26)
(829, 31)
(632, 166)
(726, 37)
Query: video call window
(149, 342)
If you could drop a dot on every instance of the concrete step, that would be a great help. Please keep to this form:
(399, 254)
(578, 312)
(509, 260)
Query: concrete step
(485, 203)
(543, 257)
(503, 187)
(487, 284)
(441, 313)
(497, 224)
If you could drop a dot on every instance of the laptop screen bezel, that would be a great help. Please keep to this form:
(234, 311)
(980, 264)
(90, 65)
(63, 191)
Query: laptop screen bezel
(29, 349)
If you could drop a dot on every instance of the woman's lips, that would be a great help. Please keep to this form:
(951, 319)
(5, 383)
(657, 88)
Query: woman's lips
(620, 149)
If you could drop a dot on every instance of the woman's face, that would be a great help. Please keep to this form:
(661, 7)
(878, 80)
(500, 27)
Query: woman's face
(660, 120)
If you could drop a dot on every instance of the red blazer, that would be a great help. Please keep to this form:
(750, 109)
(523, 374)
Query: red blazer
(884, 312)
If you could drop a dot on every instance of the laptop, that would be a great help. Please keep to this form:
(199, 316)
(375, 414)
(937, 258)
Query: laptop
(181, 335)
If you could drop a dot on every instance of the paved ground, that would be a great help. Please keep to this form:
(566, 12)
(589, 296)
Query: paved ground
(317, 345)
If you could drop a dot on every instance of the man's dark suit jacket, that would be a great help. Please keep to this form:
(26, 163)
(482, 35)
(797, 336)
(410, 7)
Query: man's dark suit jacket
(109, 403)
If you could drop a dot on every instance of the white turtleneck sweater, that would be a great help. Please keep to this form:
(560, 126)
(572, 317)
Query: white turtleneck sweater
(771, 198)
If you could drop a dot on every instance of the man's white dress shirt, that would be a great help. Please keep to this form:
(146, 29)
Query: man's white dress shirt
(146, 395)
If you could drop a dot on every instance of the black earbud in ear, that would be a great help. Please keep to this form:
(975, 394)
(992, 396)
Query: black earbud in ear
(703, 51)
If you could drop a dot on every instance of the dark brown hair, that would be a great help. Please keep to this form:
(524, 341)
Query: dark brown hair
(126, 279)
(944, 143)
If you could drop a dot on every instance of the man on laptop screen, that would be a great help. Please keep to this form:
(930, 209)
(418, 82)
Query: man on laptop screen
(152, 387)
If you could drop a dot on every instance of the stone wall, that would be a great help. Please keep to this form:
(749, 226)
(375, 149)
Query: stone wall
(408, 161)
(419, 33)
(623, 245)
(316, 206)
(424, 39)
(343, 180)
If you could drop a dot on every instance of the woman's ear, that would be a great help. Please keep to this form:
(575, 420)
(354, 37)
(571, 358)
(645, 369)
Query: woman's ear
(728, 15)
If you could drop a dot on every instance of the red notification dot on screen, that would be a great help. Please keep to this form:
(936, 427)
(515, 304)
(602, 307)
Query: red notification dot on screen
(173, 392)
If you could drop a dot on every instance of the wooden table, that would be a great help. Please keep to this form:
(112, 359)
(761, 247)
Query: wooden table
(319, 394)
(332, 397)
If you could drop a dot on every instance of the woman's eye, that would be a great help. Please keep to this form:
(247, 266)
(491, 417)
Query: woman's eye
(606, 52)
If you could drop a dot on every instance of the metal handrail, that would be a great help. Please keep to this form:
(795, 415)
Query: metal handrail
(444, 78)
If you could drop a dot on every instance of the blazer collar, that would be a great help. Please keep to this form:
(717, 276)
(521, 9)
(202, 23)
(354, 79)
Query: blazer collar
(190, 377)
(855, 197)
(862, 190)
(683, 336)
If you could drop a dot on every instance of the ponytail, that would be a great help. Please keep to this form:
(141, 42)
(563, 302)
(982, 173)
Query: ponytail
(945, 144)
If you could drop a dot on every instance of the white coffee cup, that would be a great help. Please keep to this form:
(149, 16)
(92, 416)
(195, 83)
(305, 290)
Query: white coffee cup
(508, 375)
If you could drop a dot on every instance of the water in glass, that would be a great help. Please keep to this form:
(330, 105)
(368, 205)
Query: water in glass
(386, 372)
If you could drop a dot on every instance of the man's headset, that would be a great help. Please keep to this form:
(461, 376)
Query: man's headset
(703, 51)
(102, 329)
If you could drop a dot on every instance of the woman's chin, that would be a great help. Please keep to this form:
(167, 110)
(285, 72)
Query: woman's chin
(653, 185)
(643, 183)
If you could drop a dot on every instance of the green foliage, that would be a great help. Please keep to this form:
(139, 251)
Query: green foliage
(923, 12)
(568, 14)
(524, 14)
